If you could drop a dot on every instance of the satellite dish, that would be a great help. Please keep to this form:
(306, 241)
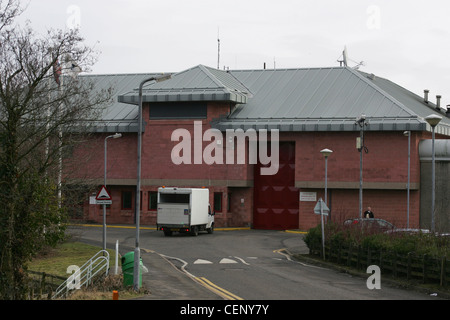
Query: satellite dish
(345, 55)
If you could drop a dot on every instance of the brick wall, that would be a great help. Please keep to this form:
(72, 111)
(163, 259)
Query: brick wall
(384, 174)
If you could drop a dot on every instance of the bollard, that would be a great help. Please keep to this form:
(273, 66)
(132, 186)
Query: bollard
(115, 295)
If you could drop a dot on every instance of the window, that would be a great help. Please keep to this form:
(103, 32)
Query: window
(178, 110)
(127, 200)
(218, 201)
(174, 198)
(152, 200)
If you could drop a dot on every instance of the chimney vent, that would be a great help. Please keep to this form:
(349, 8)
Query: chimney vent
(438, 102)
(425, 97)
(448, 111)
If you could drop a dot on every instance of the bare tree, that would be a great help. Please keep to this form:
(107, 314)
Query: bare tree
(44, 110)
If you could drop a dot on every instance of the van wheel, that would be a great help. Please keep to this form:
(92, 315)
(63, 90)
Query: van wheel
(195, 231)
(210, 230)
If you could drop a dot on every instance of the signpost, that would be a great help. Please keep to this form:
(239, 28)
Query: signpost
(103, 197)
(322, 209)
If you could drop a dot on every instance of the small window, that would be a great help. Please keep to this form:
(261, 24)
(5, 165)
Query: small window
(152, 200)
(178, 110)
(218, 201)
(127, 200)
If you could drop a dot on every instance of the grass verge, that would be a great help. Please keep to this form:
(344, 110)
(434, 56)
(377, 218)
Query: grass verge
(55, 261)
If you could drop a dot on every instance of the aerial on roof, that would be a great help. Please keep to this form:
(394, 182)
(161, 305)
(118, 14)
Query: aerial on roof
(304, 99)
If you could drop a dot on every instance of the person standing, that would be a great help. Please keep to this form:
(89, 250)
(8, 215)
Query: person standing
(368, 214)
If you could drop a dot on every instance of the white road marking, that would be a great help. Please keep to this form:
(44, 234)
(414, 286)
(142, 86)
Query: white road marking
(226, 260)
(201, 261)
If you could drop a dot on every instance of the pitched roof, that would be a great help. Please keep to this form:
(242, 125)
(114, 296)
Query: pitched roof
(199, 83)
(313, 99)
(325, 99)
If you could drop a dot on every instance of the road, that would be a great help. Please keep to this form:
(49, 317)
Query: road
(249, 265)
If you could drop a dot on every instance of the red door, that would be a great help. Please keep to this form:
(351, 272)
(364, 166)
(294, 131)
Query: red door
(275, 196)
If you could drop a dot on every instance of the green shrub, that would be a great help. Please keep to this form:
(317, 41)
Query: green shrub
(401, 243)
(313, 238)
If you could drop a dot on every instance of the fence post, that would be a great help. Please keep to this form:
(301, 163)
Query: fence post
(349, 254)
(443, 271)
(358, 260)
(408, 268)
(381, 259)
(424, 268)
(42, 286)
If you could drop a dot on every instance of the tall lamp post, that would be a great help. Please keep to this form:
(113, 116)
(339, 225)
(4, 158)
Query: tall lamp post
(408, 134)
(433, 121)
(137, 251)
(114, 136)
(326, 153)
(361, 121)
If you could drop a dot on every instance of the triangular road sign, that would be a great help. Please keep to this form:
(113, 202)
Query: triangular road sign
(325, 209)
(103, 194)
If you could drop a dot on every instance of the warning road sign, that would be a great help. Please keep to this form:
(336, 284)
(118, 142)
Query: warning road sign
(321, 208)
(103, 196)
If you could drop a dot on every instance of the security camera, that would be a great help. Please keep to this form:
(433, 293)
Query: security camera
(360, 120)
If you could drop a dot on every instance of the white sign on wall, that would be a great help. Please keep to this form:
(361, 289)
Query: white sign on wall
(308, 196)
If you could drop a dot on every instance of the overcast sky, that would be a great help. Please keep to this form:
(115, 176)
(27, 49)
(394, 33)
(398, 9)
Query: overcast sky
(407, 42)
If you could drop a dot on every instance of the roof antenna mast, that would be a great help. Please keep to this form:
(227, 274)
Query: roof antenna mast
(344, 60)
(218, 49)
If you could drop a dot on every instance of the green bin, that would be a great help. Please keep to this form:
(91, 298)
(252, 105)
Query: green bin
(128, 269)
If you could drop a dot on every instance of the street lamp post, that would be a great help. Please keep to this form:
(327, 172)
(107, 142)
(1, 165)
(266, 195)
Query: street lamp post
(361, 121)
(137, 251)
(326, 153)
(408, 133)
(433, 121)
(114, 136)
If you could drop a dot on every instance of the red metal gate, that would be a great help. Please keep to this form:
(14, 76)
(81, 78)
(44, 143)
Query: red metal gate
(275, 196)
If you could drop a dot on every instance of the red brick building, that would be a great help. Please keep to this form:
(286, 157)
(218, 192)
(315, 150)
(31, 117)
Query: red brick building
(302, 110)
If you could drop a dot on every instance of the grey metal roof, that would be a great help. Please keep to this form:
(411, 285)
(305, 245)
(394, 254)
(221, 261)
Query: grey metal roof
(199, 83)
(414, 102)
(324, 99)
(118, 116)
(314, 99)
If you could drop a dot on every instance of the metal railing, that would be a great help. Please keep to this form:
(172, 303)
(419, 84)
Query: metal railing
(83, 276)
